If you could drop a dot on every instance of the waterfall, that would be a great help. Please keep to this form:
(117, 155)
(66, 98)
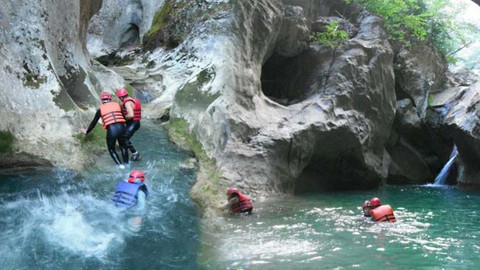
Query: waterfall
(442, 176)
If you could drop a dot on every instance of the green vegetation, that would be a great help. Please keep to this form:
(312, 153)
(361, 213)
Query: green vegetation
(192, 93)
(450, 34)
(332, 37)
(430, 100)
(207, 188)
(160, 19)
(404, 19)
(63, 100)
(33, 80)
(408, 21)
(205, 75)
(6, 142)
(129, 89)
(178, 129)
(95, 140)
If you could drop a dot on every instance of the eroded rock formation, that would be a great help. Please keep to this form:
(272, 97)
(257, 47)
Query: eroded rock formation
(278, 113)
(47, 78)
(458, 109)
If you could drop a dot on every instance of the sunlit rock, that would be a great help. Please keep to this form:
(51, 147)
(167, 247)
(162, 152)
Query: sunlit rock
(47, 78)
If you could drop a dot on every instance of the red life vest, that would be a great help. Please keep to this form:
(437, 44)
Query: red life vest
(244, 204)
(137, 108)
(383, 213)
(111, 113)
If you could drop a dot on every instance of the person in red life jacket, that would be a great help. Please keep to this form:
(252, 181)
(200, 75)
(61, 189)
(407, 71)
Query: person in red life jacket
(377, 211)
(113, 122)
(132, 193)
(132, 110)
(237, 202)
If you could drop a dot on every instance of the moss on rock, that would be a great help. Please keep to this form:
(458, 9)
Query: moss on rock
(129, 89)
(206, 189)
(95, 140)
(160, 19)
(32, 80)
(6, 142)
(192, 93)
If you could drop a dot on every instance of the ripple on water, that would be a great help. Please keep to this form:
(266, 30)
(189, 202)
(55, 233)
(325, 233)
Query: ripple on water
(308, 233)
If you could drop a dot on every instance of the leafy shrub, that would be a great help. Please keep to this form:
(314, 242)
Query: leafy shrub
(449, 33)
(404, 19)
(407, 21)
(332, 37)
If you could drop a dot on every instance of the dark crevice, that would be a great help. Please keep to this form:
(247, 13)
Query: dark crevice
(346, 172)
(289, 80)
(131, 37)
(330, 67)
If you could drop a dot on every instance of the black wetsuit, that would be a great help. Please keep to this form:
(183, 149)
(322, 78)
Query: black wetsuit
(115, 132)
(131, 128)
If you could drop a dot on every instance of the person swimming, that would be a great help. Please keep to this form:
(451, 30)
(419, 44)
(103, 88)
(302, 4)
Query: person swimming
(378, 212)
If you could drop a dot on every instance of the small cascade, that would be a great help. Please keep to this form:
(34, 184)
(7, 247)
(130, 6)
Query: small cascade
(442, 176)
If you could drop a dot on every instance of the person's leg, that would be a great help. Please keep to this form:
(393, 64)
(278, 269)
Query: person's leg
(111, 140)
(130, 129)
(122, 141)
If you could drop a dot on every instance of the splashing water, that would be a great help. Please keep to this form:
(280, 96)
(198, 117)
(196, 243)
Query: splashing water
(64, 220)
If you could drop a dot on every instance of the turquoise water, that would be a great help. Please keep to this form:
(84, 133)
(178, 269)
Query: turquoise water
(437, 228)
(63, 220)
(60, 219)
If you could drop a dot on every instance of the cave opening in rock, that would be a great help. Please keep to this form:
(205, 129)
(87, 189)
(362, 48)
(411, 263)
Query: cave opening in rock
(345, 172)
(289, 80)
(131, 37)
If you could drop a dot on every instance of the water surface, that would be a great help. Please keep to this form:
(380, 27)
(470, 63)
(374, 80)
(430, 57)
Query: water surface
(64, 220)
(437, 228)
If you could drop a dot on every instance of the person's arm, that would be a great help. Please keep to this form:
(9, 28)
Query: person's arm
(140, 209)
(229, 204)
(129, 108)
(141, 203)
(94, 122)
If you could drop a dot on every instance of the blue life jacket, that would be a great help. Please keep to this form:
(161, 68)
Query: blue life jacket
(126, 194)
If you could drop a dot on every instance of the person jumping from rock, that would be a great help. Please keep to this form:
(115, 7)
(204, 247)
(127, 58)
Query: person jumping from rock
(132, 110)
(113, 122)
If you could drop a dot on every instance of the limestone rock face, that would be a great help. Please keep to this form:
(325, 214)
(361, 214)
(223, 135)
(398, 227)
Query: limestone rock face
(418, 150)
(272, 109)
(47, 79)
(409, 147)
(461, 118)
(293, 38)
(419, 71)
(120, 24)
